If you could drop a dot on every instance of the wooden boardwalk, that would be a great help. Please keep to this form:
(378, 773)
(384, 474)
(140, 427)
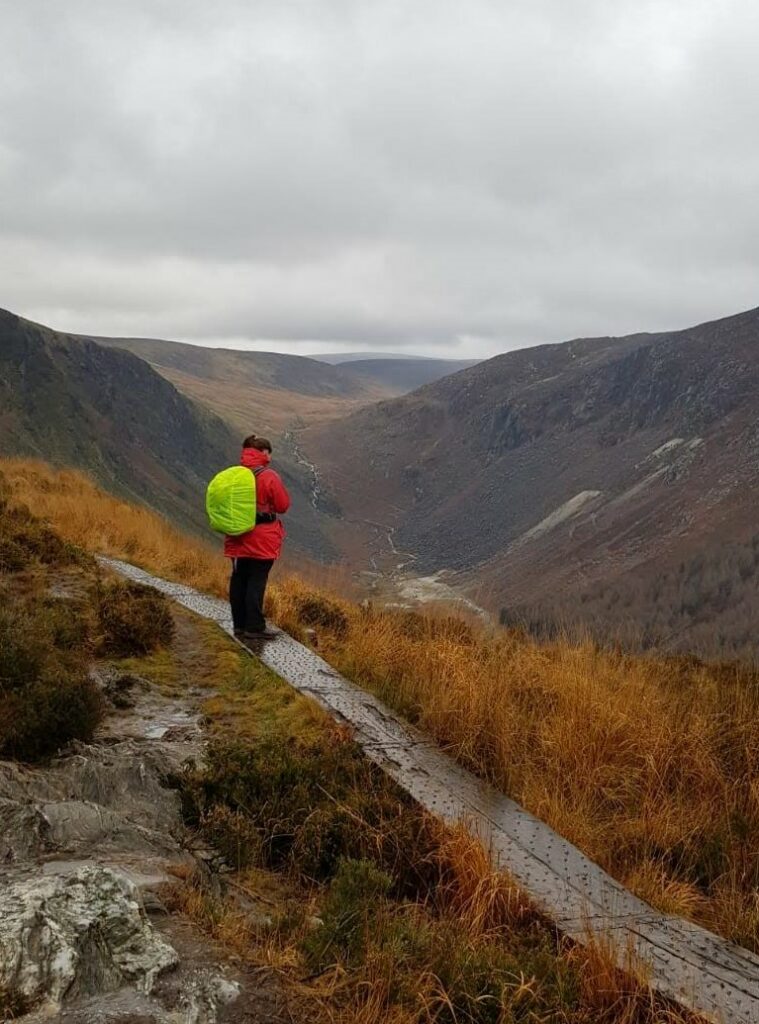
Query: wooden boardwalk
(682, 960)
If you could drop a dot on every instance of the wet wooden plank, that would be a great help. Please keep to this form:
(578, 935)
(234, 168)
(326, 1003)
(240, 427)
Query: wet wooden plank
(683, 961)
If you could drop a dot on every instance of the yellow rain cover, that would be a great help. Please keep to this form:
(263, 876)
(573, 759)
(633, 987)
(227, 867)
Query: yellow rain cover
(231, 501)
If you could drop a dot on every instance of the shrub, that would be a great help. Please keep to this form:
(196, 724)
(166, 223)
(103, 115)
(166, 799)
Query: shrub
(46, 697)
(233, 834)
(356, 900)
(316, 610)
(312, 805)
(48, 713)
(134, 620)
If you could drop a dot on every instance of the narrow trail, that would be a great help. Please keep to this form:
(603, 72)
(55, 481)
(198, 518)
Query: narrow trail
(680, 959)
(90, 845)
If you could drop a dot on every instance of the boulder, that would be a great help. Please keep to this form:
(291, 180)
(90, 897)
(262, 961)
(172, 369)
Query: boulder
(64, 938)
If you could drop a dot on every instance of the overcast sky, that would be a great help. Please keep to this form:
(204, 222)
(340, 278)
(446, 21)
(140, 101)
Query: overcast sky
(417, 175)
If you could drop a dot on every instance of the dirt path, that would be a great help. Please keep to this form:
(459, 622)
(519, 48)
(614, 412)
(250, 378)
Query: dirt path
(91, 846)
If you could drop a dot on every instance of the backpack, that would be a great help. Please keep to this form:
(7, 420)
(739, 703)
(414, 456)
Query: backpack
(231, 500)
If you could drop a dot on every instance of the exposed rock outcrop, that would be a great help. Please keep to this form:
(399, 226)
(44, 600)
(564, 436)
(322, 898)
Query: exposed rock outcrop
(87, 844)
(64, 937)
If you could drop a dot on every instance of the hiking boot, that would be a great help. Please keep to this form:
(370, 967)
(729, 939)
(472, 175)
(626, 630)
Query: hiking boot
(247, 636)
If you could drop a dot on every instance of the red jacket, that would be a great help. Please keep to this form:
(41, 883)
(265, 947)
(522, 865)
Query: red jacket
(265, 541)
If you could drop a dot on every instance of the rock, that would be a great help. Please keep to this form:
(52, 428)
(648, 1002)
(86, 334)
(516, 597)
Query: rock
(96, 801)
(205, 995)
(64, 938)
(117, 686)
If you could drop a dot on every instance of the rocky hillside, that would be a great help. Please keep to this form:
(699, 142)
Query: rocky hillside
(608, 480)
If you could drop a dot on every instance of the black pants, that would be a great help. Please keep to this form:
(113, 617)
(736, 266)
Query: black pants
(247, 587)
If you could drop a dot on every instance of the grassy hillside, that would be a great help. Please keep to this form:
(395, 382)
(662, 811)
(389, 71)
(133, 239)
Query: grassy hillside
(404, 375)
(649, 764)
(348, 903)
(262, 391)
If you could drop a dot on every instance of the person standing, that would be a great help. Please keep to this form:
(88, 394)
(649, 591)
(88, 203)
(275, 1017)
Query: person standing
(255, 552)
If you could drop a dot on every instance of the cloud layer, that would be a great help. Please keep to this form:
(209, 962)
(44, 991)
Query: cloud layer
(447, 177)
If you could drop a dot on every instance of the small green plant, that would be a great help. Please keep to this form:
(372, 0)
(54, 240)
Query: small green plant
(356, 901)
(133, 620)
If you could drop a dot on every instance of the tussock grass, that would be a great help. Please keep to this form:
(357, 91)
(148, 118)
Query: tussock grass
(650, 765)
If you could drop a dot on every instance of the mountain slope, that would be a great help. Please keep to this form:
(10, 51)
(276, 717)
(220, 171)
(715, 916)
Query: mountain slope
(264, 392)
(403, 375)
(570, 478)
(75, 403)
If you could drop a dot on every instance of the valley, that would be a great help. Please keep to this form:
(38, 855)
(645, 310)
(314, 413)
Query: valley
(602, 483)
(265, 392)
(605, 483)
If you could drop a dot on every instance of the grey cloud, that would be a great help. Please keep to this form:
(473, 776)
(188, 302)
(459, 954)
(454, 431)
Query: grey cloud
(445, 176)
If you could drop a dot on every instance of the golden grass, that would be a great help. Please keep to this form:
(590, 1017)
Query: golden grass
(650, 765)
(86, 515)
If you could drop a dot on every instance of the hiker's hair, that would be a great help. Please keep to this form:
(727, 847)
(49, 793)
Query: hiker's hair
(261, 443)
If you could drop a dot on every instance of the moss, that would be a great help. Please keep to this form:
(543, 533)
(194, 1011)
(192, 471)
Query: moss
(160, 668)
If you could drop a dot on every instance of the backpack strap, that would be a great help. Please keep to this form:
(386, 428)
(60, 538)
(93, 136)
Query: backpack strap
(270, 516)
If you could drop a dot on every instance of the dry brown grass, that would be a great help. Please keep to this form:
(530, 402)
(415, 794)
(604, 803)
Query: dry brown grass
(462, 944)
(87, 516)
(84, 514)
(650, 765)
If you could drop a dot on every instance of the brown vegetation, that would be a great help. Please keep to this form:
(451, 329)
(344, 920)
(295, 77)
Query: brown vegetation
(133, 619)
(376, 913)
(46, 695)
(85, 515)
(56, 614)
(649, 764)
